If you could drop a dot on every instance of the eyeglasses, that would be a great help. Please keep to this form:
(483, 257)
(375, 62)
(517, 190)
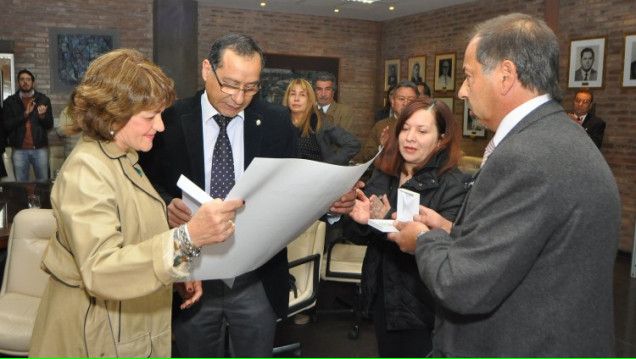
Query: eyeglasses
(404, 99)
(580, 101)
(233, 89)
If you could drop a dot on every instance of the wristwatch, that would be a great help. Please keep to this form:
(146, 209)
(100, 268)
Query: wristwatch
(420, 234)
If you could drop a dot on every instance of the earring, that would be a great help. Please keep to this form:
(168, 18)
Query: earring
(112, 133)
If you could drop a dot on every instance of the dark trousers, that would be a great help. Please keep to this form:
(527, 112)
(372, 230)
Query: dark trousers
(244, 310)
(413, 343)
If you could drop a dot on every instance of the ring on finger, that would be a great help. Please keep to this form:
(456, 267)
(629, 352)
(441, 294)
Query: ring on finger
(231, 222)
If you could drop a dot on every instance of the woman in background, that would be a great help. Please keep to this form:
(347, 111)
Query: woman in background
(422, 156)
(319, 139)
(113, 259)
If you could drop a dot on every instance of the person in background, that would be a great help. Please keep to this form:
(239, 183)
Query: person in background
(422, 156)
(582, 114)
(404, 93)
(27, 117)
(254, 128)
(113, 259)
(64, 125)
(3, 145)
(385, 111)
(526, 268)
(325, 86)
(318, 139)
(425, 91)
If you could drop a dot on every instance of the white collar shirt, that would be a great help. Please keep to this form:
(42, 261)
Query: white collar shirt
(235, 131)
(515, 116)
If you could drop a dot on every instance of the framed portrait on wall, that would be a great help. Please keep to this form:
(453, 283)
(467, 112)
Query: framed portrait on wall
(445, 72)
(472, 126)
(391, 73)
(587, 60)
(629, 61)
(417, 69)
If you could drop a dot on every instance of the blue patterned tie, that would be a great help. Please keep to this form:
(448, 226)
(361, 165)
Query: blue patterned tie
(222, 178)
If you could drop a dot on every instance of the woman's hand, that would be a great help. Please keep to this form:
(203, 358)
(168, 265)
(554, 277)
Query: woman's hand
(361, 211)
(190, 292)
(213, 222)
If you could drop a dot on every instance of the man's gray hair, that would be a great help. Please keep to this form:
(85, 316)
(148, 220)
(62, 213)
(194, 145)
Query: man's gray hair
(408, 84)
(526, 41)
(325, 76)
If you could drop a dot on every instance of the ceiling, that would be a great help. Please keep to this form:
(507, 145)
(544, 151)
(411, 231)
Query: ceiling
(377, 11)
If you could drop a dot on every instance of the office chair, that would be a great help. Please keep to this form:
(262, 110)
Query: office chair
(304, 255)
(343, 263)
(24, 281)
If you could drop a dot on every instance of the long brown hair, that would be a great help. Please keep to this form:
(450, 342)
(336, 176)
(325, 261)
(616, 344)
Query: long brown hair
(305, 124)
(390, 160)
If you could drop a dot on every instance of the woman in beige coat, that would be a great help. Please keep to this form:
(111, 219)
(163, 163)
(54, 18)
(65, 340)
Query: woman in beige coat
(113, 259)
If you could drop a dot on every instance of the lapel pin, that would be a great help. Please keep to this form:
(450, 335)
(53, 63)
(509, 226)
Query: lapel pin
(258, 122)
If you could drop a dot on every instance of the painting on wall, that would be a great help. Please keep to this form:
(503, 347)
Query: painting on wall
(417, 69)
(629, 62)
(445, 72)
(391, 73)
(587, 58)
(72, 50)
(281, 69)
(472, 126)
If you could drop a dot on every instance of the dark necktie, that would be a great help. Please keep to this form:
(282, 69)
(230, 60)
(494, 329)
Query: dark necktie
(585, 79)
(222, 177)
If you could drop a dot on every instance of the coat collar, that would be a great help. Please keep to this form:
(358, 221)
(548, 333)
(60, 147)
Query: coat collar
(128, 163)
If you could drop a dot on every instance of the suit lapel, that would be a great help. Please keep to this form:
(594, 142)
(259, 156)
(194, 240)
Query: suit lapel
(192, 126)
(252, 135)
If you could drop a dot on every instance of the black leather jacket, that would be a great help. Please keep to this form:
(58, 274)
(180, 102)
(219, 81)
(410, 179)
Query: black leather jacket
(387, 270)
(14, 123)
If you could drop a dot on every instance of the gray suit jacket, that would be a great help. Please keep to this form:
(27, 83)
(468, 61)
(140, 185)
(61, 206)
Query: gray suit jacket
(527, 268)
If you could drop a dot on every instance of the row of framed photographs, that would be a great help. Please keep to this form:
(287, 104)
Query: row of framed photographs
(585, 67)
(444, 71)
(587, 62)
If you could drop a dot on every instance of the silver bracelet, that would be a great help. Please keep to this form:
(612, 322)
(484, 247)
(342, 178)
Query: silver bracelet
(189, 249)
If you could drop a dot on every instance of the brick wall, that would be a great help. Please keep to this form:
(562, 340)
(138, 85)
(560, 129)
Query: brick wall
(362, 47)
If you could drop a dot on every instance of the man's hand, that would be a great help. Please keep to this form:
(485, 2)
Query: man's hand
(433, 220)
(345, 204)
(178, 213)
(384, 137)
(190, 292)
(407, 235)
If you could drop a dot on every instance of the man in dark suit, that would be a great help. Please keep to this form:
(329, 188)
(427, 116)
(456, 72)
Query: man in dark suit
(251, 306)
(593, 125)
(526, 269)
(586, 72)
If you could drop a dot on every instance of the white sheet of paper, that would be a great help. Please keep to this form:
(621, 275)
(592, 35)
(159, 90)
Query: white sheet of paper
(282, 198)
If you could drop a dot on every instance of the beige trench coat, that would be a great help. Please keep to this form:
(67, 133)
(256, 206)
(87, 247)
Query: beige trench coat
(110, 290)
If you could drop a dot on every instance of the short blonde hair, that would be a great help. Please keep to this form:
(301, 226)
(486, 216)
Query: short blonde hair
(116, 86)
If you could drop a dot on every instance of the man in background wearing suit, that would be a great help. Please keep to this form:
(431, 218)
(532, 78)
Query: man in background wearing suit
(593, 125)
(586, 72)
(325, 86)
(255, 129)
(526, 269)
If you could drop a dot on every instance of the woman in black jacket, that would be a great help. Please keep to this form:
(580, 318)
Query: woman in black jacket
(319, 139)
(422, 156)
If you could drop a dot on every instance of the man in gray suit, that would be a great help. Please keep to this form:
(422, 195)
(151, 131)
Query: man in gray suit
(526, 269)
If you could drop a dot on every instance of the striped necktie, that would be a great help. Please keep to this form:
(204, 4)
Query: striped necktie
(489, 148)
